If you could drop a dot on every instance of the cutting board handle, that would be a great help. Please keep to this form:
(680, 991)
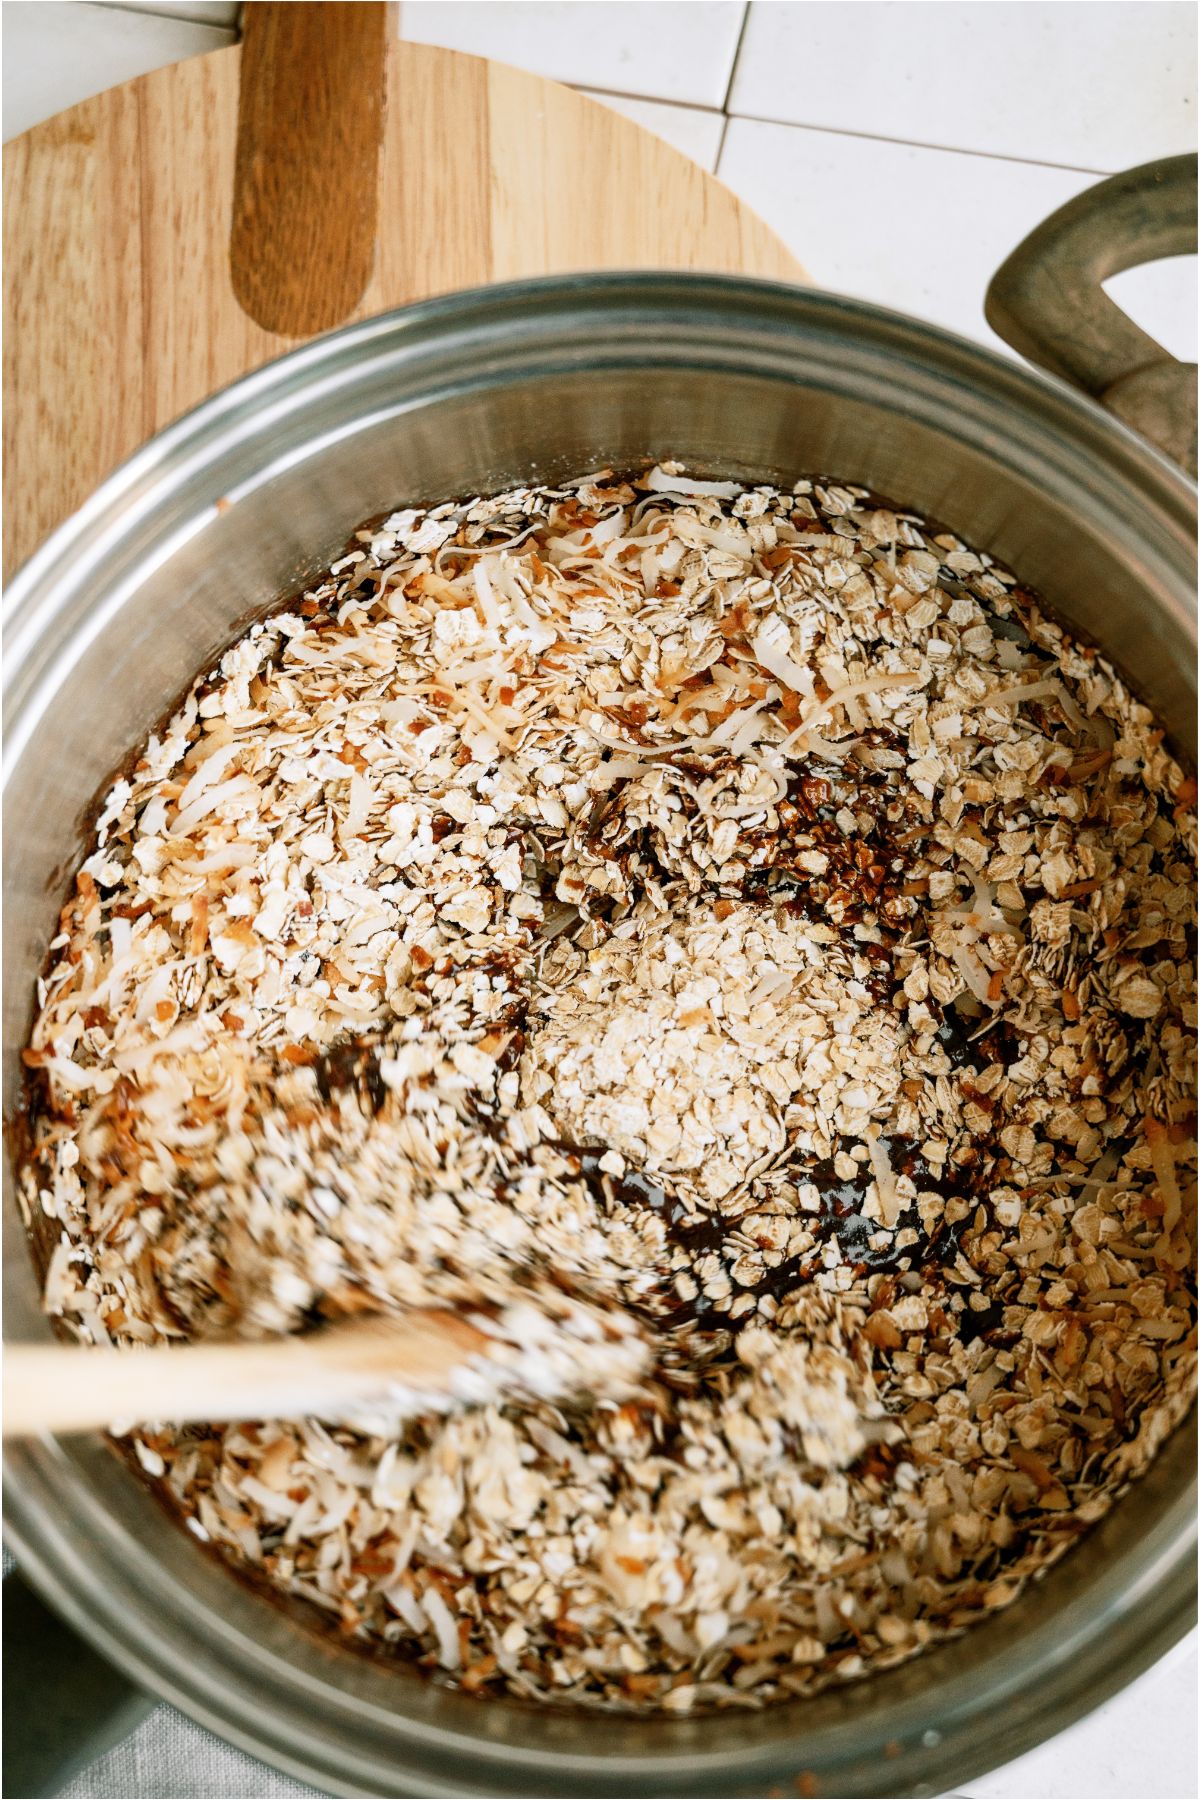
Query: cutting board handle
(306, 178)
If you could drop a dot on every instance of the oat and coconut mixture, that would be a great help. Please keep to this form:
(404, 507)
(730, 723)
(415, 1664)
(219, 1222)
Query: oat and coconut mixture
(746, 911)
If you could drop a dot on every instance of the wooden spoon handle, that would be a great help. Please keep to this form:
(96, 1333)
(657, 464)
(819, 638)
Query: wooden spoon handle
(64, 1387)
(306, 178)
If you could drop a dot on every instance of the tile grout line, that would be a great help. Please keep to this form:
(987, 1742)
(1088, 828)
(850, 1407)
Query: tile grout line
(868, 137)
(874, 137)
(588, 87)
(737, 51)
(716, 169)
(196, 17)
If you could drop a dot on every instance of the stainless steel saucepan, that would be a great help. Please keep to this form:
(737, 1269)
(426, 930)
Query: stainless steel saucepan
(237, 504)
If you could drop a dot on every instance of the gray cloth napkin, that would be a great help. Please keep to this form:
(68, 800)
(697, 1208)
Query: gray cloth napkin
(169, 1756)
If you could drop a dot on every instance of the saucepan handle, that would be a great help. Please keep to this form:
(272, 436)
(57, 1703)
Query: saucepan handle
(63, 1704)
(1049, 303)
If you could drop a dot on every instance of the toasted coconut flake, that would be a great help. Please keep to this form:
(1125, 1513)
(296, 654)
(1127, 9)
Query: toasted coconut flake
(869, 684)
(658, 481)
(885, 1179)
(768, 647)
(977, 978)
(1019, 693)
(1162, 1156)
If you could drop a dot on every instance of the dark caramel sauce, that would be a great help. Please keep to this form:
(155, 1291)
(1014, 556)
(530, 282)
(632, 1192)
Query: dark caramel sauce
(354, 1063)
(840, 1217)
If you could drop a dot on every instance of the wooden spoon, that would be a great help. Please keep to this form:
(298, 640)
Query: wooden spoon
(372, 1366)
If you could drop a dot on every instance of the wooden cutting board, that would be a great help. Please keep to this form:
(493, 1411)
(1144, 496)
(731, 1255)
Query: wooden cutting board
(119, 312)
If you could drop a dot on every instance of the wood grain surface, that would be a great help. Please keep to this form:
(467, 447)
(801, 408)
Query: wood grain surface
(305, 184)
(119, 307)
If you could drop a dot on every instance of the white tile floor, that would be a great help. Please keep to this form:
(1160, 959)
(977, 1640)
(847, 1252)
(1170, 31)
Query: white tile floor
(683, 50)
(57, 54)
(919, 230)
(901, 149)
(1089, 86)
